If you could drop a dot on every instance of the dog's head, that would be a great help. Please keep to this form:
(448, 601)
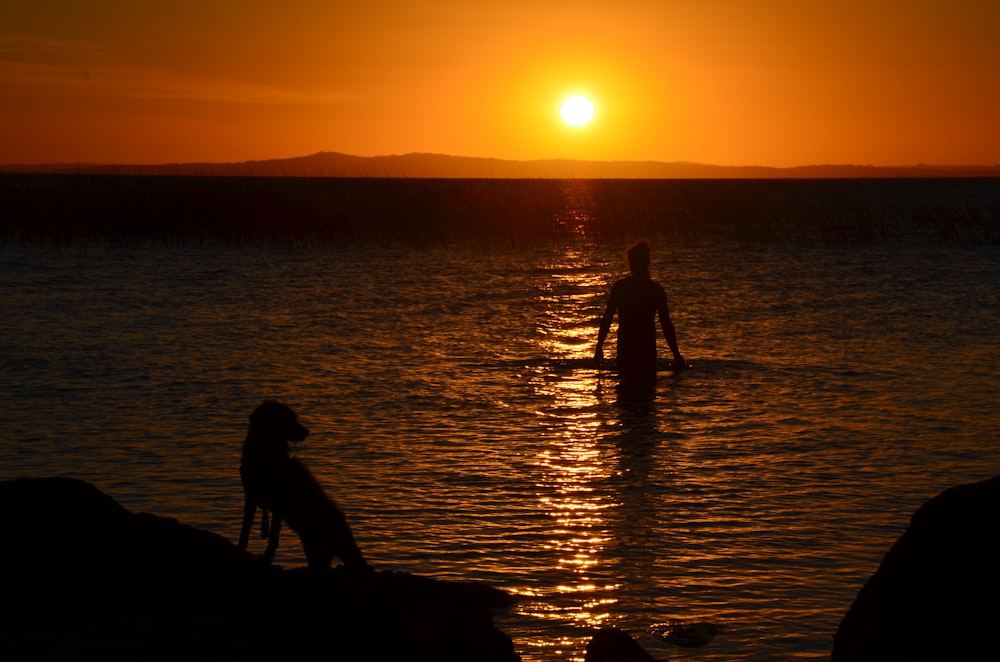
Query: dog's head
(276, 420)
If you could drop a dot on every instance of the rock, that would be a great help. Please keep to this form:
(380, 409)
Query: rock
(936, 595)
(613, 645)
(691, 635)
(84, 577)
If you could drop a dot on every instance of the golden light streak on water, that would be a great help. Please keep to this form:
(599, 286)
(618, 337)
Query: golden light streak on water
(574, 464)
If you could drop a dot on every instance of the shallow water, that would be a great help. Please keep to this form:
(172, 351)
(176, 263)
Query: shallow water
(456, 420)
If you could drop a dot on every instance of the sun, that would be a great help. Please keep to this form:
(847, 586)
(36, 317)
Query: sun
(577, 110)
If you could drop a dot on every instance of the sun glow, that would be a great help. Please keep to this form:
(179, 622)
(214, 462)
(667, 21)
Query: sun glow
(577, 110)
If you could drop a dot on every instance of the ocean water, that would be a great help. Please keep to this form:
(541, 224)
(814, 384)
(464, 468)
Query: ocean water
(456, 419)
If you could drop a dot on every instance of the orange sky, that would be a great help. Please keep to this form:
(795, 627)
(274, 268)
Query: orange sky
(766, 82)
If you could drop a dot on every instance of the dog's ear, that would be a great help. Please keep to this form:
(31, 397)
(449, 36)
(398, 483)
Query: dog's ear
(270, 409)
(273, 413)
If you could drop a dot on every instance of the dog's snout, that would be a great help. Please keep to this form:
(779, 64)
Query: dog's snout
(299, 432)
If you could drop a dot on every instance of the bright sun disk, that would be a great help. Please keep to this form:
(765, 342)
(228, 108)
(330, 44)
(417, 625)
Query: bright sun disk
(577, 110)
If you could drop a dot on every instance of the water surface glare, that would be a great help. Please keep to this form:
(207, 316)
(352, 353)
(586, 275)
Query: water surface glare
(456, 421)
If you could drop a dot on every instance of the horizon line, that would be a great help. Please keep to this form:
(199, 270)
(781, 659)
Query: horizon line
(430, 165)
(555, 159)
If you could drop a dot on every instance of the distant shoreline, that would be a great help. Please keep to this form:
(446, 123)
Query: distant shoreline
(440, 166)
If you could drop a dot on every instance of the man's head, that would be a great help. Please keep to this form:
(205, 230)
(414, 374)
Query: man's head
(638, 256)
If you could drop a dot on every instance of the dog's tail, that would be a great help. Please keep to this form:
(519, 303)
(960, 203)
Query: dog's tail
(338, 541)
(348, 550)
(318, 520)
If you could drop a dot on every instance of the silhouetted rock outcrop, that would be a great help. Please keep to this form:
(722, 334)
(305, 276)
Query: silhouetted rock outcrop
(84, 577)
(614, 645)
(936, 595)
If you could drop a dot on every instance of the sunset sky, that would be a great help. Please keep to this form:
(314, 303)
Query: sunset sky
(771, 82)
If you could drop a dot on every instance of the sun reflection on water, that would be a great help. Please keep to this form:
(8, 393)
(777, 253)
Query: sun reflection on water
(573, 466)
(580, 206)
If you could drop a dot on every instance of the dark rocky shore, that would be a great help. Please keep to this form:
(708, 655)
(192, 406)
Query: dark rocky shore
(936, 595)
(84, 578)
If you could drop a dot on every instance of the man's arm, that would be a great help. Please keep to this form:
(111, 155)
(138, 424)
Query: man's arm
(669, 332)
(602, 333)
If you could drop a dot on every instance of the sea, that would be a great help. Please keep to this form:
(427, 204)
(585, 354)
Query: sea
(459, 420)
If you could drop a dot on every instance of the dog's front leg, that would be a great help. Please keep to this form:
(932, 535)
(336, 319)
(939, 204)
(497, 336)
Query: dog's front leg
(249, 510)
(272, 539)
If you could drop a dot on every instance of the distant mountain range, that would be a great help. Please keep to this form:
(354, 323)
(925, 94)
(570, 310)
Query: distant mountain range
(333, 164)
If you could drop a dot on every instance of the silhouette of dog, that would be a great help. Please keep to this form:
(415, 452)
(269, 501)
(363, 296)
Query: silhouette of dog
(276, 481)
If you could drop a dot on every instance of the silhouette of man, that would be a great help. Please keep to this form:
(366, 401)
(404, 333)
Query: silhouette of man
(638, 300)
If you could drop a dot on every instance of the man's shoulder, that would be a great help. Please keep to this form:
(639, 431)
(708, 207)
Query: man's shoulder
(621, 283)
(657, 291)
(645, 283)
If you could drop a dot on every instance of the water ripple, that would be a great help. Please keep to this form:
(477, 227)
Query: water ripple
(457, 418)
